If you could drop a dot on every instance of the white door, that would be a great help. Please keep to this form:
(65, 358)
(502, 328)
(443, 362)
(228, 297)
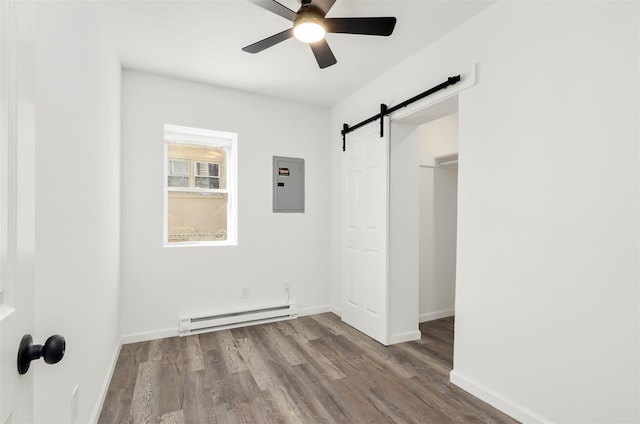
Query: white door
(366, 231)
(17, 205)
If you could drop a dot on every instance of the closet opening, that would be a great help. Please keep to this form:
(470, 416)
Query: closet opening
(438, 217)
(432, 133)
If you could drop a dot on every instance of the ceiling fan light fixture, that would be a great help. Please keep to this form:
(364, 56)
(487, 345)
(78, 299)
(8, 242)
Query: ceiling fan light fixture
(309, 30)
(310, 26)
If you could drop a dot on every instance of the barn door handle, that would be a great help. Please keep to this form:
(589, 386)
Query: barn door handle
(52, 351)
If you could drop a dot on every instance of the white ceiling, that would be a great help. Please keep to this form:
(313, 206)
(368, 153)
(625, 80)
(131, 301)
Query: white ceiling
(202, 41)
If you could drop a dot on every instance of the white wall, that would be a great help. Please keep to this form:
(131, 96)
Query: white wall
(77, 206)
(438, 138)
(161, 284)
(547, 297)
(438, 219)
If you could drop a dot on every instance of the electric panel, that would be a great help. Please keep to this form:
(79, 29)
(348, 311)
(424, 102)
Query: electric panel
(288, 184)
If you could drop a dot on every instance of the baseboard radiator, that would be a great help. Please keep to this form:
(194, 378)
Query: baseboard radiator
(240, 318)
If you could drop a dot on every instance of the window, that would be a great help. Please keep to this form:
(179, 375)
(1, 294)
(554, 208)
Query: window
(207, 174)
(178, 173)
(200, 187)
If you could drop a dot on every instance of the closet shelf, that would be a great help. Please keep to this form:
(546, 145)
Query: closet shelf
(444, 161)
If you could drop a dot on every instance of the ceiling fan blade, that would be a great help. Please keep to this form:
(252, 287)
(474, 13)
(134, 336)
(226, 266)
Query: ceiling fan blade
(365, 26)
(268, 42)
(277, 8)
(325, 5)
(324, 55)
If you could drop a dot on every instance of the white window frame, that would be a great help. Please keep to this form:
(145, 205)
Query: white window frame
(226, 141)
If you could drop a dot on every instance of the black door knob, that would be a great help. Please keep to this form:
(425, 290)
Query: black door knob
(52, 351)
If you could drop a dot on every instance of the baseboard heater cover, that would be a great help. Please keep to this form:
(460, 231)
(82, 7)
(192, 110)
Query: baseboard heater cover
(241, 318)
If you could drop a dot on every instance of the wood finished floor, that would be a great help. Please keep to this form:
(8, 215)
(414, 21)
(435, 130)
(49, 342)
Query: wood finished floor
(314, 369)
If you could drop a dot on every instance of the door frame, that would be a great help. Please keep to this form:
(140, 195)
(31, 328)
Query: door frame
(420, 112)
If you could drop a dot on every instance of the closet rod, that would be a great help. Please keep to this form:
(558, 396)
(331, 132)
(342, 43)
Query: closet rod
(440, 165)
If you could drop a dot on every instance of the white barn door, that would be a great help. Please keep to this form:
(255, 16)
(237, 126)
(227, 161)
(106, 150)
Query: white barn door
(366, 232)
(17, 205)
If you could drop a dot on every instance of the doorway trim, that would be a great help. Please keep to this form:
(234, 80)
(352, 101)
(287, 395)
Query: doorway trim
(419, 111)
(404, 269)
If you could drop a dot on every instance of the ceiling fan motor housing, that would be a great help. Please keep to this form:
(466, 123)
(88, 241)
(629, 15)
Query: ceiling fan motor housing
(309, 12)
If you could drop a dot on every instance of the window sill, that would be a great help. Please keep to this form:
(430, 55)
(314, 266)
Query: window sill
(201, 244)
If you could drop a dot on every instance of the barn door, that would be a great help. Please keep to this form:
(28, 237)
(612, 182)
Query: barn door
(17, 206)
(366, 232)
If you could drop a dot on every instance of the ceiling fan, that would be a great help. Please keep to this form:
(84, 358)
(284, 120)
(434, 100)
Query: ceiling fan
(310, 26)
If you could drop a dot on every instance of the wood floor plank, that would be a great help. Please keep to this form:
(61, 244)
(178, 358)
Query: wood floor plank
(193, 353)
(274, 347)
(257, 364)
(374, 350)
(117, 405)
(313, 369)
(304, 397)
(209, 341)
(283, 344)
(329, 408)
(316, 357)
(302, 330)
(286, 327)
(327, 320)
(283, 406)
(378, 354)
(401, 405)
(155, 350)
(214, 368)
(231, 397)
(262, 411)
(170, 385)
(317, 328)
(358, 407)
(231, 352)
(197, 403)
(420, 355)
(450, 402)
(145, 403)
(171, 349)
(121, 389)
(173, 417)
(138, 351)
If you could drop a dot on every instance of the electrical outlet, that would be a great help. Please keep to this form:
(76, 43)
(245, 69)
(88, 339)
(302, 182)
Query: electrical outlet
(244, 292)
(75, 398)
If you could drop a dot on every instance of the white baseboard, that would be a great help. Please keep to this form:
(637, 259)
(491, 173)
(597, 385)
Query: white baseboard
(405, 337)
(336, 310)
(102, 395)
(496, 400)
(149, 335)
(314, 310)
(430, 316)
